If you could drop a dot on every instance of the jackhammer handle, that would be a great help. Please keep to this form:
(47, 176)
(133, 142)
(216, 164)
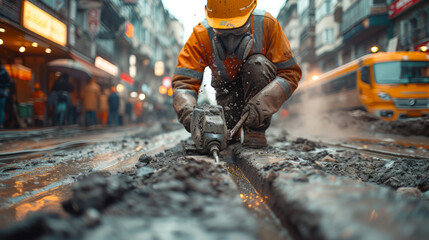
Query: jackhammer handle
(238, 125)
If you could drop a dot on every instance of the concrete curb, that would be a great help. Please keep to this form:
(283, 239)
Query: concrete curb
(312, 204)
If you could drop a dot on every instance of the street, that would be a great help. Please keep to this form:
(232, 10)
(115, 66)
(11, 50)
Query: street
(214, 120)
(138, 178)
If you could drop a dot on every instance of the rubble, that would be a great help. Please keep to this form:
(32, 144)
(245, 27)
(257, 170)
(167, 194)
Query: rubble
(179, 199)
(408, 191)
(314, 204)
(395, 173)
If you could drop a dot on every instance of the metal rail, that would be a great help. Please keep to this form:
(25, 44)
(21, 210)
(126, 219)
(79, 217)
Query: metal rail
(8, 155)
(377, 151)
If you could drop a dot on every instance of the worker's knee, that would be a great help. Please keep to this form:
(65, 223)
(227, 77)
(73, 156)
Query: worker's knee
(258, 70)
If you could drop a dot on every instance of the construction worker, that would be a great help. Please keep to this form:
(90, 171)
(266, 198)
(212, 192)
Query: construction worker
(39, 105)
(253, 67)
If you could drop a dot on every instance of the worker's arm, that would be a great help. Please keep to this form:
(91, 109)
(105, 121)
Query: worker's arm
(187, 79)
(269, 100)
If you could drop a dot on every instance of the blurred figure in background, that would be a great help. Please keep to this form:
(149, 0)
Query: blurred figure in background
(72, 113)
(113, 102)
(5, 84)
(103, 112)
(138, 111)
(123, 98)
(128, 112)
(60, 100)
(39, 105)
(91, 101)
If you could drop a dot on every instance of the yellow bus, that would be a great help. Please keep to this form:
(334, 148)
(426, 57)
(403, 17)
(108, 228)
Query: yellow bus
(390, 85)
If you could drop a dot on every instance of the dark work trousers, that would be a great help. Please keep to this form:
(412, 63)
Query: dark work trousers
(256, 72)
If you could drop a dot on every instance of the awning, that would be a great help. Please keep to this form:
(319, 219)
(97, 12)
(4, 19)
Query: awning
(95, 72)
(71, 67)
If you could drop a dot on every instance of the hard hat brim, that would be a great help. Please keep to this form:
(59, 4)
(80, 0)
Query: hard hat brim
(227, 23)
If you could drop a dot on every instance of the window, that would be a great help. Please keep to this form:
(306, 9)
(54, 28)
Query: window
(302, 6)
(325, 37)
(364, 75)
(401, 72)
(346, 82)
(326, 8)
(322, 10)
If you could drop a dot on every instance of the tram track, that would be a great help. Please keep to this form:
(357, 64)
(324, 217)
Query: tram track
(377, 152)
(124, 154)
(25, 179)
(65, 145)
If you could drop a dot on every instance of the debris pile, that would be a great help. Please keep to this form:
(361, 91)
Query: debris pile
(397, 173)
(162, 197)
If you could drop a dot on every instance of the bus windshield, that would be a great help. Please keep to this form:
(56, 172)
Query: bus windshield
(401, 72)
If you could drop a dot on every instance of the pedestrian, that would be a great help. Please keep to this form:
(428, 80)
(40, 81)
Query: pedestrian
(103, 112)
(39, 105)
(138, 111)
(253, 68)
(128, 112)
(5, 85)
(91, 101)
(72, 113)
(113, 102)
(123, 98)
(60, 100)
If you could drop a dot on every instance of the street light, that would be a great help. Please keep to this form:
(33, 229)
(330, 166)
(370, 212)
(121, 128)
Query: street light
(374, 49)
(162, 89)
(159, 68)
(142, 96)
(120, 87)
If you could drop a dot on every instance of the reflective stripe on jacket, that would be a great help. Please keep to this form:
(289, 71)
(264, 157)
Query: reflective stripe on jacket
(269, 40)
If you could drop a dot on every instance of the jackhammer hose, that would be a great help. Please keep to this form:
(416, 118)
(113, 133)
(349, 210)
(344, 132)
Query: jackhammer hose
(214, 150)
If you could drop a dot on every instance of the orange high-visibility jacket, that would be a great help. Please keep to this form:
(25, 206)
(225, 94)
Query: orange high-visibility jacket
(39, 103)
(269, 40)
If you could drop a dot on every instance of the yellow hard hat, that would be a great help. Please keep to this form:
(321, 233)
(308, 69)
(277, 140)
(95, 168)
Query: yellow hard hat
(228, 14)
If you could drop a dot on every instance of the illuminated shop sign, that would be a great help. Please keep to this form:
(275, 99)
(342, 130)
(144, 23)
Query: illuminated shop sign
(106, 66)
(129, 30)
(159, 68)
(400, 6)
(38, 21)
(127, 78)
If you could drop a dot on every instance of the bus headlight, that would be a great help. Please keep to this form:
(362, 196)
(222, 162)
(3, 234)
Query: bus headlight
(384, 113)
(384, 96)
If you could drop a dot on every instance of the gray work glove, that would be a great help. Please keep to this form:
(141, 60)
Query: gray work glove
(253, 119)
(185, 118)
(265, 103)
(183, 103)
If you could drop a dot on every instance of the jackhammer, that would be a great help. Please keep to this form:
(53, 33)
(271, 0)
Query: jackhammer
(209, 131)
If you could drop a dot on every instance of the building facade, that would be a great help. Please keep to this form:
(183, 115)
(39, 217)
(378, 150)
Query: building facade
(118, 41)
(345, 30)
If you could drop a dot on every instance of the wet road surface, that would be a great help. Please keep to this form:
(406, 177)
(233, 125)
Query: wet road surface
(42, 180)
(33, 183)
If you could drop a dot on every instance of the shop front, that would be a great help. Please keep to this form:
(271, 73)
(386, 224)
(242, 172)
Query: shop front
(26, 45)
